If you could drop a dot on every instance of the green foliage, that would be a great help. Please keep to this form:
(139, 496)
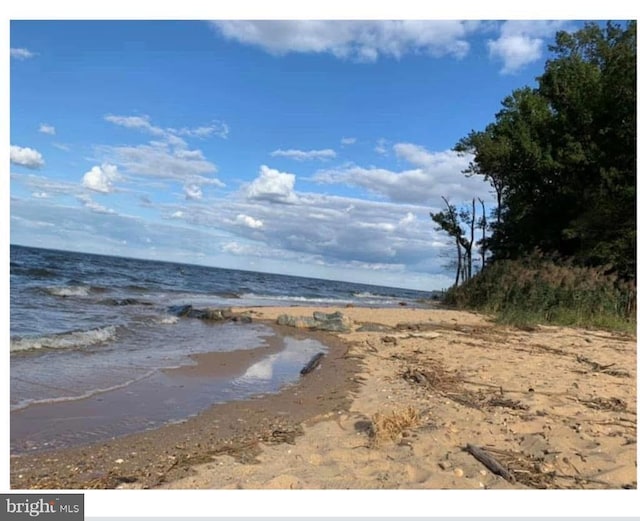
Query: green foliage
(536, 289)
(562, 157)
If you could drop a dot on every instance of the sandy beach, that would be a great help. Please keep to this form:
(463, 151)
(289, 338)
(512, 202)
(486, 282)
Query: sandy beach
(407, 399)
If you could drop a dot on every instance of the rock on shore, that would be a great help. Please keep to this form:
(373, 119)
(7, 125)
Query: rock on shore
(320, 321)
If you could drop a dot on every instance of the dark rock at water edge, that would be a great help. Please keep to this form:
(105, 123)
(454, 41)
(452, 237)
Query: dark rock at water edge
(212, 314)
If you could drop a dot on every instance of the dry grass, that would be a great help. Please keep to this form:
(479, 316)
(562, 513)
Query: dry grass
(391, 426)
(537, 289)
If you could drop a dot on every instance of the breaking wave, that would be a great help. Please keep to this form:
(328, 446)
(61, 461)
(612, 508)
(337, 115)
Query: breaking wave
(66, 340)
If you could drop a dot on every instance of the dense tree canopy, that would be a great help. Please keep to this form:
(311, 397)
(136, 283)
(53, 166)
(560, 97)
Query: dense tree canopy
(561, 157)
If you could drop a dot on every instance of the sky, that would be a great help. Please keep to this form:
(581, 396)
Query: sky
(314, 148)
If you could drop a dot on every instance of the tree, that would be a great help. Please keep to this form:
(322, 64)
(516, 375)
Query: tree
(448, 221)
(561, 157)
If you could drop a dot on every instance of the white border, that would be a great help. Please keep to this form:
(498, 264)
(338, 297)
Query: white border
(378, 503)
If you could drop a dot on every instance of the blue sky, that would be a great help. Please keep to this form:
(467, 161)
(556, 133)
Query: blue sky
(307, 148)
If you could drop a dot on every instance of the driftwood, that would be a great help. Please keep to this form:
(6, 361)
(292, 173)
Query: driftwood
(489, 461)
(312, 364)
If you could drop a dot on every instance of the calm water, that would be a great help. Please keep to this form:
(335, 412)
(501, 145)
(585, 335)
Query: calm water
(92, 338)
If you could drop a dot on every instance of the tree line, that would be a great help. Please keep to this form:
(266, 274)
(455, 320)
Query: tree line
(561, 160)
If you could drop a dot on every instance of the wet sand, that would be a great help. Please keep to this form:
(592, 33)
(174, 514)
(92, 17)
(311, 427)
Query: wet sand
(397, 406)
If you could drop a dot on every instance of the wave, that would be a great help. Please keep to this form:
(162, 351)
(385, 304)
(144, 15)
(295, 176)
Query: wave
(357, 298)
(368, 295)
(35, 273)
(295, 298)
(68, 291)
(66, 340)
(83, 396)
(171, 319)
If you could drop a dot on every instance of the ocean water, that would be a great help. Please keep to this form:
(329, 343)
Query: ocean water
(93, 344)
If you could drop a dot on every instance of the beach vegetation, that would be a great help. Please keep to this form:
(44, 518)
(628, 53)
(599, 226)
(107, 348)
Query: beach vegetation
(536, 289)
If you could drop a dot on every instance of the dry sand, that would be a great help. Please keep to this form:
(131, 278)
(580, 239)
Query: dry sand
(397, 408)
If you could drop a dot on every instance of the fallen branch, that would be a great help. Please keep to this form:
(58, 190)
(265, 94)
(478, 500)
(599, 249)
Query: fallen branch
(312, 364)
(489, 461)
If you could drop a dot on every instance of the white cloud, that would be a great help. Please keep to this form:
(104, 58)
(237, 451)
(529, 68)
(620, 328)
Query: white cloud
(347, 141)
(436, 174)
(215, 128)
(362, 41)
(47, 129)
(521, 42)
(273, 186)
(40, 195)
(25, 156)
(179, 214)
(408, 219)
(236, 248)
(158, 160)
(305, 155)
(248, 221)
(22, 53)
(381, 146)
(101, 178)
(168, 158)
(136, 122)
(193, 191)
(62, 146)
(92, 205)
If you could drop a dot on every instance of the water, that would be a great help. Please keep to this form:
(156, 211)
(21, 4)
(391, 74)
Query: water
(93, 344)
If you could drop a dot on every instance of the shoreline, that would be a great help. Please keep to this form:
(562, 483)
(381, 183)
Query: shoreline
(556, 405)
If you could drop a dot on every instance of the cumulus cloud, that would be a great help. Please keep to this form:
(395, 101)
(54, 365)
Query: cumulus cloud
(47, 129)
(347, 141)
(248, 221)
(273, 186)
(25, 156)
(21, 53)
(435, 174)
(408, 219)
(521, 43)
(192, 191)
(101, 178)
(362, 41)
(305, 155)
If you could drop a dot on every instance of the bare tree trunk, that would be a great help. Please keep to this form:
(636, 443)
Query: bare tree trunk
(483, 248)
(471, 233)
(453, 219)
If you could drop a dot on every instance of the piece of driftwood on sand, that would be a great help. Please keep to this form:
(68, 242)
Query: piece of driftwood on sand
(312, 364)
(489, 461)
